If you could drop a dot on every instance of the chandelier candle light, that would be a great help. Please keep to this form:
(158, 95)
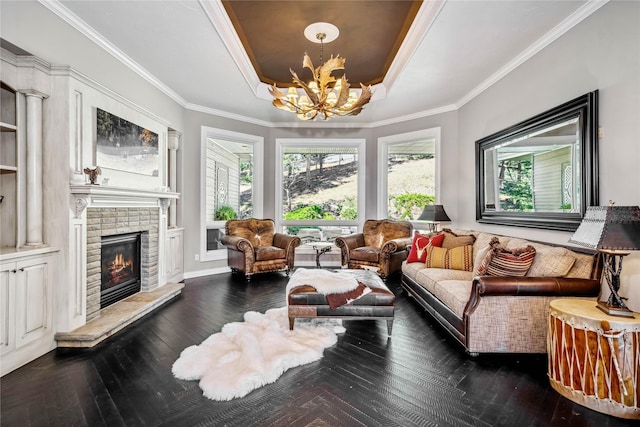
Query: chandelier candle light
(325, 96)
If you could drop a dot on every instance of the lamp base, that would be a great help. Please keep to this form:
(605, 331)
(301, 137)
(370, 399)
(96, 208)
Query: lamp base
(612, 310)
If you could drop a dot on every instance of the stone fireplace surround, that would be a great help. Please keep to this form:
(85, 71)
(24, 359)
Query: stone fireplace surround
(111, 221)
(105, 210)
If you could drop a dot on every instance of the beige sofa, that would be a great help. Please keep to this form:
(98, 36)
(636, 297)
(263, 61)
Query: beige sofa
(491, 314)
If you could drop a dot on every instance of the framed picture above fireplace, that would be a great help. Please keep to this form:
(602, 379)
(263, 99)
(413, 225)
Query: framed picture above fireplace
(126, 146)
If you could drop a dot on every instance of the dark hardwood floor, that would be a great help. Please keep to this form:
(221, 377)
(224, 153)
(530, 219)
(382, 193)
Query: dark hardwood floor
(418, 377)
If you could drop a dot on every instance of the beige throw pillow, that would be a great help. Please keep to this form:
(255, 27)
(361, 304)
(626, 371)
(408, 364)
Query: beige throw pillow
(551, 262)
(453, 240)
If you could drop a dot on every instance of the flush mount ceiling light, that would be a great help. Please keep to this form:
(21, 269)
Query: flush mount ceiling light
(325, 96)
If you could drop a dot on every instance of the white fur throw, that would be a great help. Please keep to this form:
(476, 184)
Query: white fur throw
(325, 282)
(247, 355)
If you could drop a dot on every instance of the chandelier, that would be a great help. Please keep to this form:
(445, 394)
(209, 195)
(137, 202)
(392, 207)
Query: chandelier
(324, 96)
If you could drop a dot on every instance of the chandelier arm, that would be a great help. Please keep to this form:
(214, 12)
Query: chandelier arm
(322, 95)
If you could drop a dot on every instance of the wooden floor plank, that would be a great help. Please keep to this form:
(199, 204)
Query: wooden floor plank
(418, 377)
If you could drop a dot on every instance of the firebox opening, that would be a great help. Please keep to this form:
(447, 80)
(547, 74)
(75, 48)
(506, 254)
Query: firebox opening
(120, 267)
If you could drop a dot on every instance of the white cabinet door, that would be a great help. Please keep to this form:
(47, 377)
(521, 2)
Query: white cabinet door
(175, 254)
(33, 299)
(7, 307)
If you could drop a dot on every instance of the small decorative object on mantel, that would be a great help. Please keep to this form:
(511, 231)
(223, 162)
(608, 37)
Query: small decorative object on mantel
(92, 172)
(612, 231)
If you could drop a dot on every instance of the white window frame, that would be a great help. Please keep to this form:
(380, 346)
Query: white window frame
(383, 162)
(358, 143)
(257, 192)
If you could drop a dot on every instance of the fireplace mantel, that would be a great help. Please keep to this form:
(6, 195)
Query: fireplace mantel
(102, 196)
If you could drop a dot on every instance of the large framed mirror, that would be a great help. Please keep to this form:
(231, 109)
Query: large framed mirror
(542, 172)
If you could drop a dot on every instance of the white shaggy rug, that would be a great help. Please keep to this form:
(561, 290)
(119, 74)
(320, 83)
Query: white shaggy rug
(247, 355)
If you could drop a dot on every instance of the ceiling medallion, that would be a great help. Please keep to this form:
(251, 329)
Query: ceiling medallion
(325, 96)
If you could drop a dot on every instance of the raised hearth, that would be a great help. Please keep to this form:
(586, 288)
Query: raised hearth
(115, 317)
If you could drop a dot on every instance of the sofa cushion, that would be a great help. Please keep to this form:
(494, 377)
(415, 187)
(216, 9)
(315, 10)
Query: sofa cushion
(551, 262)
(453, 240)
(483, 239)
(454, 294)
(458, 258)
(582, 267)
(411, 269)
(428, 277)
(500, 261)
(481, 260)
(418, 251)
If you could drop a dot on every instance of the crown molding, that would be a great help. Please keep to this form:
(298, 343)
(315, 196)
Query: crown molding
(227, 115)
(221, 22)
(85, 29)
(421, 25)
(555, 33)
(224, 27)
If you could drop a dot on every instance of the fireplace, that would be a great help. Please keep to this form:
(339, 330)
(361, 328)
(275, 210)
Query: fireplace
(119, 267)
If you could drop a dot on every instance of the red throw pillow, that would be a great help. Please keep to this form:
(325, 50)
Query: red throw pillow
(418, 251)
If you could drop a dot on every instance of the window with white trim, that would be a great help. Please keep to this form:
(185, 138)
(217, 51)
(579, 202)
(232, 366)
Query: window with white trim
(230, 161)
(320, 187)
(408, 176)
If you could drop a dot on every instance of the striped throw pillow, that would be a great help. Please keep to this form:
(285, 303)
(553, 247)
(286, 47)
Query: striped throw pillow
(459, 258)
(515, 262)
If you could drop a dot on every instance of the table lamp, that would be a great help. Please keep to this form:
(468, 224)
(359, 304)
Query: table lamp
(434, 214)
(613, 231)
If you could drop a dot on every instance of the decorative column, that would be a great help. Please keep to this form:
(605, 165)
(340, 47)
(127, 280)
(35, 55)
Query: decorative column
(34, 168)
(173, 145)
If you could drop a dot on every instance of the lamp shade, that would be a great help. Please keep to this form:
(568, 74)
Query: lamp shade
(609, 228)
(434, 213)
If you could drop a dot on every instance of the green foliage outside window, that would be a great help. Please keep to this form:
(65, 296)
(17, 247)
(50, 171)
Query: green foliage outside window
(409, 206)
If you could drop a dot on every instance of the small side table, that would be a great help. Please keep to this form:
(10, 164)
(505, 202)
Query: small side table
(321, 248)
(594, 358)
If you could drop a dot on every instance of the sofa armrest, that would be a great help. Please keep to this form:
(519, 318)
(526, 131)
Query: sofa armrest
(485, 286)
(237, 244)
(547, 286)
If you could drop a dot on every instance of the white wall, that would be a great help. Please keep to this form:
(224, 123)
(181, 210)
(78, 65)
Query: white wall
(602, 52)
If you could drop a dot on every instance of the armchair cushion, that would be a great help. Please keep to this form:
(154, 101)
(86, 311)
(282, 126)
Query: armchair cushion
(365, 253)
(268, 253)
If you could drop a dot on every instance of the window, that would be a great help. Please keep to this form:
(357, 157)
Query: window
(322, 182)
(408, 173)
(230, 160)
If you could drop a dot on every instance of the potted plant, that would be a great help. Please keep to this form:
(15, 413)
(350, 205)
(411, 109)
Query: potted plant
(224, 213)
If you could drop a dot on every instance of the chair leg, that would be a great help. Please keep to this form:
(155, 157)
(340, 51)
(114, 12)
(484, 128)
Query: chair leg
(292, 320)
(389, 326)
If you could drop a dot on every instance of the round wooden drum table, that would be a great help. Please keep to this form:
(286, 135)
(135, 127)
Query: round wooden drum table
(594, 358)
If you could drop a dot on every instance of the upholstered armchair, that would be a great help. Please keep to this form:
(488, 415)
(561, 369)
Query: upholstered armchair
(383, 244)
(253, 246)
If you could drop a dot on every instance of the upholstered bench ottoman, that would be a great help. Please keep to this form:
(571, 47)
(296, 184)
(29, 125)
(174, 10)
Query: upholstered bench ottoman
(346, 294)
